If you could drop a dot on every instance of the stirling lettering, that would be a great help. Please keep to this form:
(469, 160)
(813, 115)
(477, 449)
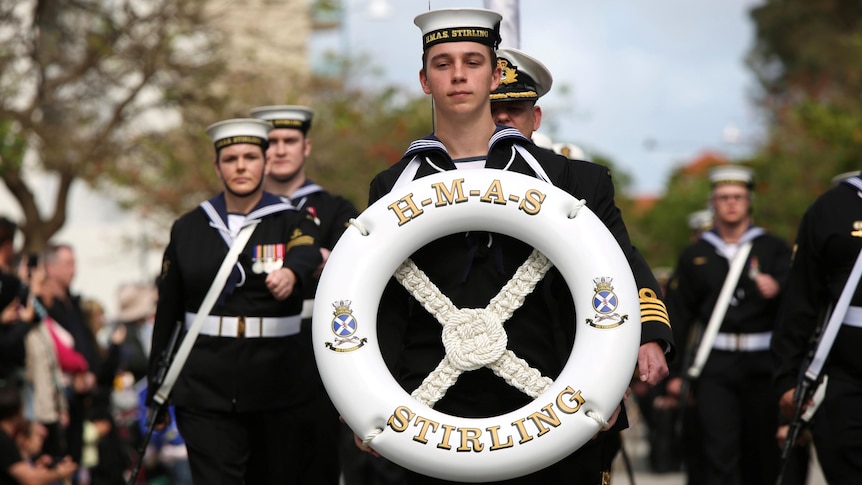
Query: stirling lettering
(492, 438)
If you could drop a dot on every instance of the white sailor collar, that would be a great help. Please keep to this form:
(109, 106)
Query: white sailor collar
(432, 143)
(725, 249)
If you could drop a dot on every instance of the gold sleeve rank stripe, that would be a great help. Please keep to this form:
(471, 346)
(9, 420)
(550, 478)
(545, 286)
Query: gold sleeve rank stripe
(652, 308)
(300, 241)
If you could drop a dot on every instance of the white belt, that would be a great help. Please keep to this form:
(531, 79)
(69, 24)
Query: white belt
(307, 308)
(854, 316)
(250, 327)
(742, 342)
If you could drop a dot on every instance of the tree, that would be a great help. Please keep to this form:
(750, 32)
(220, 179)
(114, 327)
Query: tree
(662, 232)
(808, 59)
(807, 49)
(357, 131)
(79, 78)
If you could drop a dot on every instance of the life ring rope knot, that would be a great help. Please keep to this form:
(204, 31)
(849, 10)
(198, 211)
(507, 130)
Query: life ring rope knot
(576, 207)
(474, 337)
(361, 227)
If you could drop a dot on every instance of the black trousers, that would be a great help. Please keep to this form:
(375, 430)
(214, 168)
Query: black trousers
(285, 446)
(589, 465)
(837, 429)
(738, 417)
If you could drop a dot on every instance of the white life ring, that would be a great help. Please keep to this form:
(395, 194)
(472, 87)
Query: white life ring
(409, 432)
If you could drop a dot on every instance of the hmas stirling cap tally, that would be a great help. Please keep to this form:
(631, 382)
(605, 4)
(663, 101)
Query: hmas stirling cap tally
(285, 116)
(239, 130)
(459, 25)
(524, 78)
(731, 174)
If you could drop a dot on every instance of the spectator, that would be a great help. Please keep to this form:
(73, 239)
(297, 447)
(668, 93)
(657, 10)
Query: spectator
(13, 328)
(137, 302)
(7, 244)
(64, 308)
(14, 467)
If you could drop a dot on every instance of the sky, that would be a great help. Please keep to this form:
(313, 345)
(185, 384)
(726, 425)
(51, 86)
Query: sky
(649, 84)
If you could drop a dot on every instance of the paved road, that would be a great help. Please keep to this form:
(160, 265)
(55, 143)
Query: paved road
(635, 443)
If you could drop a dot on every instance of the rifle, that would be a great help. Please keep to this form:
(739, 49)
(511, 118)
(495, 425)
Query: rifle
(685, 382)
(806, 387)
(157, 409)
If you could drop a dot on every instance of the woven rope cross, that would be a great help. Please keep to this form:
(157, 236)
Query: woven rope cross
(474, 337)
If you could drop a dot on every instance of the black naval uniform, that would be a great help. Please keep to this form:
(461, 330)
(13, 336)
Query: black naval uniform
(331, 213)
(471, 268)
(827, 245)
(735, 405)
(237, 395)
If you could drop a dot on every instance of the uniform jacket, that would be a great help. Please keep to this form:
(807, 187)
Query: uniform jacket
(225, 373)
(331, 213)
(827, 245)
(700, 273)
(471, 268)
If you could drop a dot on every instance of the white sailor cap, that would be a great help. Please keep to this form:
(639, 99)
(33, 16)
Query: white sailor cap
(844, 176)
(731, 174)
(459, 25)
(542, 140)
(286, 116)
(239, 130)
(523, 78)
(700, 220)
(570, 151)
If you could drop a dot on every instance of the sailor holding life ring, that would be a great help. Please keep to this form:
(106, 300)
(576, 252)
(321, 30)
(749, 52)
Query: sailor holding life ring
(471, 277)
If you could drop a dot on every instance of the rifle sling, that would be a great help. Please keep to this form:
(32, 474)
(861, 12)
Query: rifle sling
(815, 368)
(206, 306)
(719, 310)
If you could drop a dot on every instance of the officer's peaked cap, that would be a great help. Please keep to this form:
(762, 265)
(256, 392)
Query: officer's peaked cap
(523, 77)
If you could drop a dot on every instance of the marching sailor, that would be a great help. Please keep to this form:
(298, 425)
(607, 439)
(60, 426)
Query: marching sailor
(239, 401)
(459, 71)
(828, 244)
(289, 149)
(735, 407)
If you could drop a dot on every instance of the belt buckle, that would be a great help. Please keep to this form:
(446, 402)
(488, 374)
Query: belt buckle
(240, 327)
(737, 342)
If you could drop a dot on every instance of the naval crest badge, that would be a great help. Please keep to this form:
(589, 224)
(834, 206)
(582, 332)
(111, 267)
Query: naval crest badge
(344, 326)
(509, 74)
(605, 303)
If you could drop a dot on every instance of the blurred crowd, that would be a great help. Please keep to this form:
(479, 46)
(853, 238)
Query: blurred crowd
(72, 382)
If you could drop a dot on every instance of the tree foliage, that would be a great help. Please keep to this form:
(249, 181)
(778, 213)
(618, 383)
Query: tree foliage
(118, 95)
(78, 78)
(662, 232)
(808, 60)
(356, 132)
